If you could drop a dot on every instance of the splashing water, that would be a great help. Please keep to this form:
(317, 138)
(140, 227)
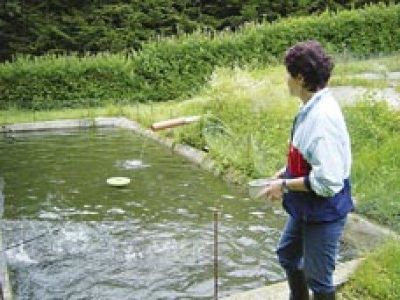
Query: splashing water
(132, 164)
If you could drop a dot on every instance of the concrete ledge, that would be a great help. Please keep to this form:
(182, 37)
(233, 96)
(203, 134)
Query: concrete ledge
(365, 233)
(47, 125)
(62, 124)
(194, 155)
(280, 291)
(4, 278)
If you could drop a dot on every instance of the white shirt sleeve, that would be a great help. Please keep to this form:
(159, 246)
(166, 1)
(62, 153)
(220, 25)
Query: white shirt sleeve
(322, 138)
(326, 157)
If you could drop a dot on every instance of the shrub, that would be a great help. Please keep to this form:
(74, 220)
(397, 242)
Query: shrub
(175, 68)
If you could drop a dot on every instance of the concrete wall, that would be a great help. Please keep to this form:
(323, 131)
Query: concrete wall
(4, 279)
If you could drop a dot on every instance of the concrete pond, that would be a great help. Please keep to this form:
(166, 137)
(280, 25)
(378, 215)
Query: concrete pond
(152, 239)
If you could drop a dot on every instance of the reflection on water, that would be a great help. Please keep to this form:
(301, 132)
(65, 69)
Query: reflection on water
(125, 260)
(150, 240)
(131, 164)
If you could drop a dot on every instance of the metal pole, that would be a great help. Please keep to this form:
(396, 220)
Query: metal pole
(216, 212)
(1, 291)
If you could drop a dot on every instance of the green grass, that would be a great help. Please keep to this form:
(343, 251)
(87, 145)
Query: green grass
(347, 64)
(349, 70)
(378, 277)
(374, 129)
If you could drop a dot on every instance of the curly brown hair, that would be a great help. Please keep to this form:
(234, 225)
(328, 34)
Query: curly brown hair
(310, 60)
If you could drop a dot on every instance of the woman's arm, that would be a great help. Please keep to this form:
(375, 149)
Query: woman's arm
(296, 184)
(276, 188)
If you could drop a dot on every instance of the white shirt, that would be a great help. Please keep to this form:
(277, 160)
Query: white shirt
(321, 136)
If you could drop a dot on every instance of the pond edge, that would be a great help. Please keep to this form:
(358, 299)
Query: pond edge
(358, 228)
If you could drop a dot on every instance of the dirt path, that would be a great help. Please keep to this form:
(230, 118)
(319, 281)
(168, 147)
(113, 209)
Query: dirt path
(351, 94)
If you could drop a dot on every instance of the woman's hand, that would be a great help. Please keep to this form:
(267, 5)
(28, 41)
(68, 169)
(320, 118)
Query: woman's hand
(279, 174)
(273, 191)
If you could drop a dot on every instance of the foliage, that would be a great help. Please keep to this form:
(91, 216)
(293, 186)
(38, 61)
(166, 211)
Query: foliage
(375, 129)
(176, 68)
(38, 27)
(378, 277)
(69, 81)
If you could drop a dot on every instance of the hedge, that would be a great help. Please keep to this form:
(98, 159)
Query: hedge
(175, 68)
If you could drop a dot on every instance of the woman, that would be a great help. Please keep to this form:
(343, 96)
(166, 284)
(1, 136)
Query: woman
(315, 184)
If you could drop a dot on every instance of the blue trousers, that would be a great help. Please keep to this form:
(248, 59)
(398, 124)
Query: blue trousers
(311, 247)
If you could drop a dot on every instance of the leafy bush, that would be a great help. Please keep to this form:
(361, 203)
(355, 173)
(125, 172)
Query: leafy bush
(69, 81)
(175, 68)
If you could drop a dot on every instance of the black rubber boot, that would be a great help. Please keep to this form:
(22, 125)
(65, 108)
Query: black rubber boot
(326, 296)
(298, 285)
